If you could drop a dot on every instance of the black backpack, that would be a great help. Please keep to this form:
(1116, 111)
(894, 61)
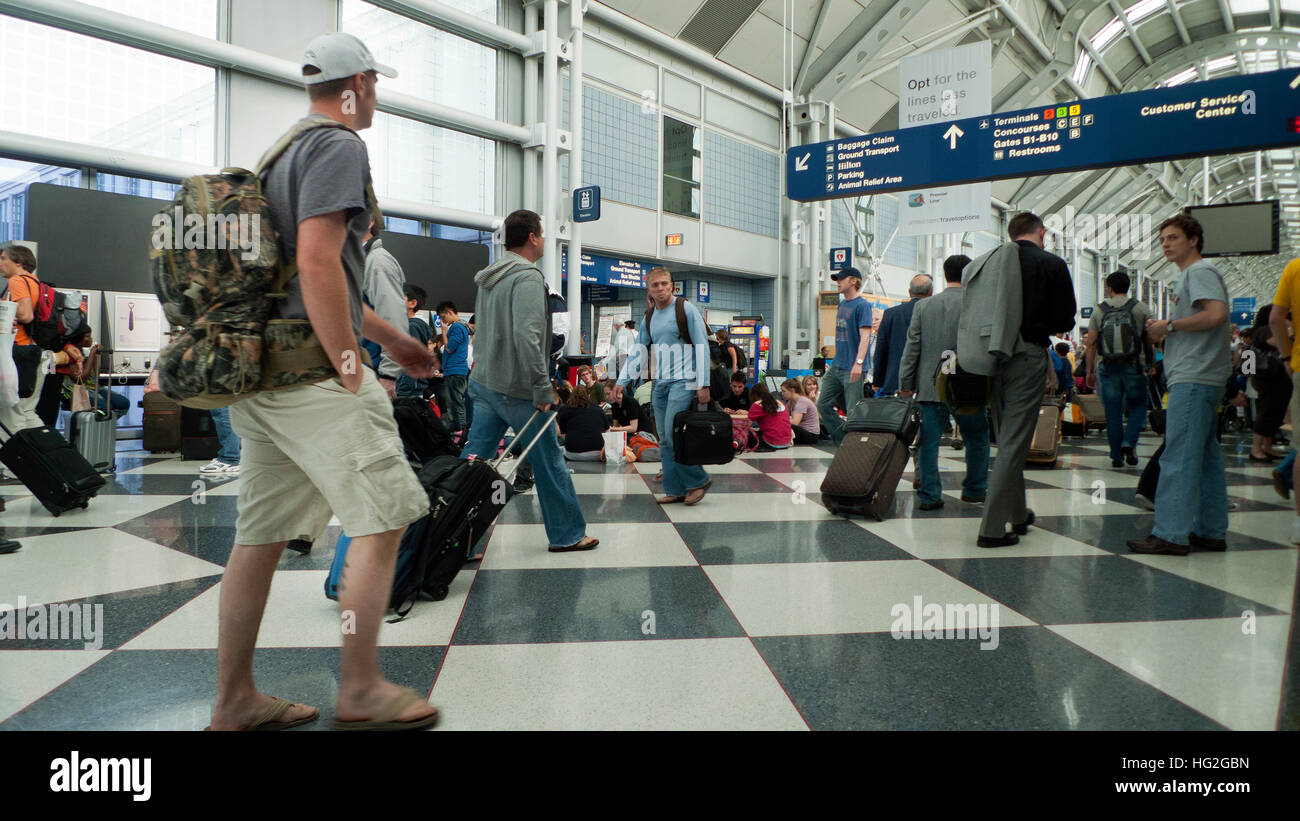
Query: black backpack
(1119, 337)
(742, 361)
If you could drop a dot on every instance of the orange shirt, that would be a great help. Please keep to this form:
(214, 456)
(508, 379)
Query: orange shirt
(1288, 296)
(20, 287)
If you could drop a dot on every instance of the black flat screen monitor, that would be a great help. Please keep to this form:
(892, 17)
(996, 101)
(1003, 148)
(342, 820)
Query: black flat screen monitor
(1239, 229)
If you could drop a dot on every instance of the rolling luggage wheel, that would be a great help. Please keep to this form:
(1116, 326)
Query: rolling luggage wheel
(440, 594)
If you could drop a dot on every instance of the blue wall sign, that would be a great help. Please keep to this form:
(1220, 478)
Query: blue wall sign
(586, 203)
(1243, 319)
(1244, 303)
(678, 288)
(1086, 313)
(599, 270)
(841, 258)
(701, 291)
(1223, 116)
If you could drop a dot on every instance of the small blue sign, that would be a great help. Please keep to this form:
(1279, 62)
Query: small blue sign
(678, 288)
(1243, 319)
(841, 258)
(702, 291)
(586, 203)
(600, 293)
(1244, 303)
(1086, 313)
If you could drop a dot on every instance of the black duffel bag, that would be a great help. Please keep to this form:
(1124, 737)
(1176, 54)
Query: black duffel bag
(889, 414)
(702, 437)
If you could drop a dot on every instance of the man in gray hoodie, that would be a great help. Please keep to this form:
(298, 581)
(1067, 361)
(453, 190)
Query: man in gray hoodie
(510, 380)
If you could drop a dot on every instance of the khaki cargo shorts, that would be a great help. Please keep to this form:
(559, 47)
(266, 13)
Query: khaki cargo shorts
(316, 450)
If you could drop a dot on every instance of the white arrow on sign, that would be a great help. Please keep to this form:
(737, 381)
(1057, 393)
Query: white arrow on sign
(801, 163)
(952, 134)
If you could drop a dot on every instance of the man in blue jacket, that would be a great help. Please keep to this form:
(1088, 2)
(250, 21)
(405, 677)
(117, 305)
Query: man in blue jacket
(892, 338)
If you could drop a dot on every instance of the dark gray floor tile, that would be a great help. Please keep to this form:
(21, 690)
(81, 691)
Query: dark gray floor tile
(1111, 531)
(1033, 680)
(603, 604)
(783, 542)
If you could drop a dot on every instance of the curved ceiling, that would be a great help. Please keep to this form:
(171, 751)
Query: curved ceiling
(847, 52)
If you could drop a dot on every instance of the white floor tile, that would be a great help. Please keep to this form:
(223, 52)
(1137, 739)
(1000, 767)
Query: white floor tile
(1269, 525)
(1265, 576)
(1072, 503)
(734, 466)
(83, 563)
(523, 547)
(27, 675)
(609, 484)
(807, 482)
(1261, 493)
(837, 597)
(956, 539)
(750, 507)
(299, 615)
(102, 511)
(703, 684)
(1210, 665)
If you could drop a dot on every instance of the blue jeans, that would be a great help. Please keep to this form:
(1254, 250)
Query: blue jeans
(493, 413)
(1286, 467)
(1123, 390)
(226, 435)
(974, 430)
(837, 387)
(670, 399)
(1192, 496)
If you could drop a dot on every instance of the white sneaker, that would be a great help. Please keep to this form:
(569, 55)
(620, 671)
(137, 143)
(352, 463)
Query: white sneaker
(1145, 503)
(216, 466)
(1295, 531)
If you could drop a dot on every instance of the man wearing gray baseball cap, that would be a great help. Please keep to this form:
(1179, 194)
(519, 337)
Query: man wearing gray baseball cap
(329, 447)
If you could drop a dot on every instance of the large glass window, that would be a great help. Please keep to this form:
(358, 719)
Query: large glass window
(68, 86)
(432, 64)
(682, 168)
(15, 177)
(192, 16)
(135, 186)
(416, 161)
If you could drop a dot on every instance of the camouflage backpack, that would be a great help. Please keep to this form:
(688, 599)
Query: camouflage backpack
(218, 270)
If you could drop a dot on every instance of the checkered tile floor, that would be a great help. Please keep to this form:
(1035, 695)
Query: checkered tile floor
(755, 609)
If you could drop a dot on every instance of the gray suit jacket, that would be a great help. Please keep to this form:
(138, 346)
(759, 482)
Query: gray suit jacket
(992, 310)
(932, 332)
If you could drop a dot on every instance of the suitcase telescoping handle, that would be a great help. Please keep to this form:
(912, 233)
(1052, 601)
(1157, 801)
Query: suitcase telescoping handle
(543, 428)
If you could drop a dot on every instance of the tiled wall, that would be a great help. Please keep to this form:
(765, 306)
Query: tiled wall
(741, 185)
(903, 250)
(620, 148)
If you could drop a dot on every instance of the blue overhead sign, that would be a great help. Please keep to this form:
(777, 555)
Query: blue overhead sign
(841, 258)
(586, 203)
(1224, 116)
(598, 270)
(1243, 303)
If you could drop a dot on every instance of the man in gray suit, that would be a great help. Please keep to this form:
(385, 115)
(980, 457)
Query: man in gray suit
(1014, 299)
(932, 341)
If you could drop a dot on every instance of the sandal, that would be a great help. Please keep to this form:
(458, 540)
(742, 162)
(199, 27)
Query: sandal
(670, 500)
(586, 543)
(268, 720)
(702, 489)
(387, 717)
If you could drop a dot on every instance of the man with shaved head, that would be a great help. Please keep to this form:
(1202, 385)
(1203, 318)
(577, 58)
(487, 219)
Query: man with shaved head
(892, 338)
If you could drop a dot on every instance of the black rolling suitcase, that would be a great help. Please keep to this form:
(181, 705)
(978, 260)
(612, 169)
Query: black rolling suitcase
(1156, 407)
(864, 474)
(198, 435)
(703, 437)
(57, 475)
(465, 498)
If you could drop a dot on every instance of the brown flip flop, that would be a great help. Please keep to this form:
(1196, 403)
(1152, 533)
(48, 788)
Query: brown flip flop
(386, 720)
(703, 489)
(268, 720)
(670, 500)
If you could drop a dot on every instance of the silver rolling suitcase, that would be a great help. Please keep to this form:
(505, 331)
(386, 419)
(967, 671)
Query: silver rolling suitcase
(94, 433)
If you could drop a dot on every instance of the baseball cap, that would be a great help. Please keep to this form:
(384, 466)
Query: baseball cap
(846, 272)
(338, 55)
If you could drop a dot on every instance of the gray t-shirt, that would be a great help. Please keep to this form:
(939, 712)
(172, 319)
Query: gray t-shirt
(324, 171)
(1200, 357)
(1140, 316)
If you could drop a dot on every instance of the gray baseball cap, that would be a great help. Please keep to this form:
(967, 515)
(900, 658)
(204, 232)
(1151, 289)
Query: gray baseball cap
(338, 55)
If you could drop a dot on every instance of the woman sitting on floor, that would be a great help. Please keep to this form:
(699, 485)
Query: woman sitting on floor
(804, 421)
(581, 427)
(774, 431)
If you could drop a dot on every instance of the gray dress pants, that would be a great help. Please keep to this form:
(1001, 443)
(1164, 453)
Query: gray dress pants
(1016, 397)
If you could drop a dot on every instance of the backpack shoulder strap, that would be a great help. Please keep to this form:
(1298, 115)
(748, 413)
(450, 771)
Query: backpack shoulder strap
(683, 328)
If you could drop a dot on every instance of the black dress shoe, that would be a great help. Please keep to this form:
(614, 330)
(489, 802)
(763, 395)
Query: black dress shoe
(1130, 457)
(1117, 463)
(1156, 546)
(1023, 527)
(931, 505)
(8, 546)
(974, 500)
(1217, 545)
(1003, 541)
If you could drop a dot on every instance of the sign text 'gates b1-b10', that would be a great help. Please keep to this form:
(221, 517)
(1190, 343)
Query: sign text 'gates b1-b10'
(1224, 116)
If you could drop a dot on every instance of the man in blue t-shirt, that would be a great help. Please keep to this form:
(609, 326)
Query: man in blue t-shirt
(455, 365)
(418, 328)
(842, 384)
